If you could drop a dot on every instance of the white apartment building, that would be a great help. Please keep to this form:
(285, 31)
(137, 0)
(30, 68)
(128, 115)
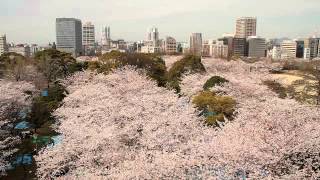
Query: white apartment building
(150, 49)
(88, 34)
(256, 47)
(245, 27)
(288, 49)
(170, 45)
(307, 53)
(219, 50)
(276, 52)
(196, 44)
(88, 38)
(3, 44)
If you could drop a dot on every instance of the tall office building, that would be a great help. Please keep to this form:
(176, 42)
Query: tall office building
(106, 37)
(256, 47)
(3, 44)
(245, 27)
(88, 38)
(300, 48)
(288, 49)
(69, 35)
(196, 44)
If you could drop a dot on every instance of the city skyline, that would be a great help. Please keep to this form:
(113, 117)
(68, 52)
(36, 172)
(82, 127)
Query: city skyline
(212, 18)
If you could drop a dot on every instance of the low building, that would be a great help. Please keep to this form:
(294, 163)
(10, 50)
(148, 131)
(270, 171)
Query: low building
(239, 47)
(256, 47)
(170, 45)
(220, 50)
(206, 49)
(34, 48)
(276, 52)
(131, 47)
(21, 49)
(150, 49)
(288, 49)
(119, 44)
(228, 40)
(306, 53)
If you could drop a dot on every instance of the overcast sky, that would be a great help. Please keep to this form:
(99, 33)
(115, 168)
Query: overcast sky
(33, 21)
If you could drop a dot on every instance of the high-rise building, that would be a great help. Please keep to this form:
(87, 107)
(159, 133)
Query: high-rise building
(152, 37)
(300, 48)
(313, 45)
(88, 38)
(69, 35)
(170, 45)
(256, 47)
(288, 49)
(245, 27)
(106, 37)
(196, 44)
(3, 44)
(239, 47)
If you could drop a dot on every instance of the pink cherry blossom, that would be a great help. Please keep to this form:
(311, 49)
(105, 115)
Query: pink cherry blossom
(122, 126)
(12, 99)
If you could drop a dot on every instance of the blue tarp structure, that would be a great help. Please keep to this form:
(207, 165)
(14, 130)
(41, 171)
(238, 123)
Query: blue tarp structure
(22, 115)
(56, 140)
(44, 93)
(41, 139)
(207, 113)
(22, 125)
(24, 159)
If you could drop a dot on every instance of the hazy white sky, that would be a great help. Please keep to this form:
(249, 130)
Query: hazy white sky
(33, 21)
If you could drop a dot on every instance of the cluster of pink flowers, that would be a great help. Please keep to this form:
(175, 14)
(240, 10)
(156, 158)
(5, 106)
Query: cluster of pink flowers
(122, 126)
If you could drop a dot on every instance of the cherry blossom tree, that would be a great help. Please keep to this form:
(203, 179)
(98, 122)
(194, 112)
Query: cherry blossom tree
(123, 126)
(12, 100)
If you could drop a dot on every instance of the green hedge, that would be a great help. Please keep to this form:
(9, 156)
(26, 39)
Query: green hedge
(214, 81)
(214, 107)
(188, 64)
(153, 64)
